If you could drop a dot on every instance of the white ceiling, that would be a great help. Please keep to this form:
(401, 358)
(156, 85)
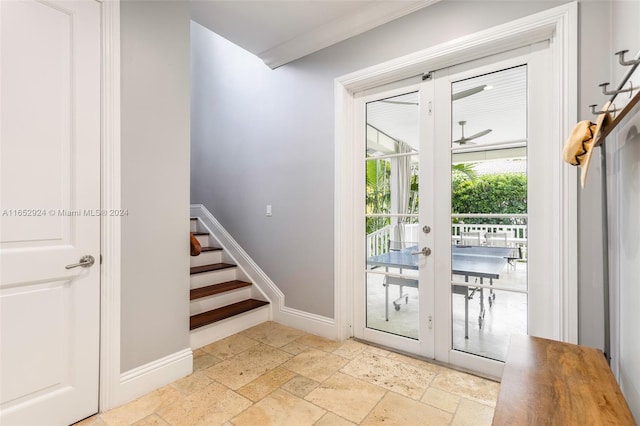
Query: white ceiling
(279, 31)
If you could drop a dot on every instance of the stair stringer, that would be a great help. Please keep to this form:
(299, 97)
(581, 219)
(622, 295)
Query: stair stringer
(278, 311)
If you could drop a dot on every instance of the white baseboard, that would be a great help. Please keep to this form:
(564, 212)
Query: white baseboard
(311, 323)
(146, 378)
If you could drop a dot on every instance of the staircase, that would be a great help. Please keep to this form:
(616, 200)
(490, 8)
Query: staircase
(223, 301)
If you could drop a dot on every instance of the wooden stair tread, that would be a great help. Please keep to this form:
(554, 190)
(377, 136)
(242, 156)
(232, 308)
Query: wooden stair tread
(215, 315)
(210, 290)
(210, 268)
(210, 249)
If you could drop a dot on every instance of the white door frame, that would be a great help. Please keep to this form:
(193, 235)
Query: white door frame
(559, 25)
(110, 199)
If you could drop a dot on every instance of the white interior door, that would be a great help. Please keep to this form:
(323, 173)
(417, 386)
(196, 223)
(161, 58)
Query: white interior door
(50, 193)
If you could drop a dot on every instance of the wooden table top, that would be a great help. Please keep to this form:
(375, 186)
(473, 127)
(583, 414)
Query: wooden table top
(546, 382)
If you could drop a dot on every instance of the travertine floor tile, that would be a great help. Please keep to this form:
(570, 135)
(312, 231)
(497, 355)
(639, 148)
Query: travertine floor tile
(276, 375)
(425, 365)
(319, 342)
(398, 410)
(390, 374)
(91, 421)
(265, 384)
(331, 419)
(315, 364)
(192, 383)
(440, 399)
(152, 420)
(346, 396)
(377, 351)
(295, 348)
(203, 360)
(230, 346)
(472, 413)
(274, 334)
(247, 366)
(280, 408)
(142, 407)
(350, 349)
(211, 406)
(300, 386)
(467, 386)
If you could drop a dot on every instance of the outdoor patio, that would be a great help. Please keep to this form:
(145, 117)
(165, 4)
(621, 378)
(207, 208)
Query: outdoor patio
(507, 314)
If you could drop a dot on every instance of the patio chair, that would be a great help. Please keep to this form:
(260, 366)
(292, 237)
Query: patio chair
(470, 238)
(498, 239)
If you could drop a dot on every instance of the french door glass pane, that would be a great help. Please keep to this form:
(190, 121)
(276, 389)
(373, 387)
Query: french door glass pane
(391, 182)
(489, 211)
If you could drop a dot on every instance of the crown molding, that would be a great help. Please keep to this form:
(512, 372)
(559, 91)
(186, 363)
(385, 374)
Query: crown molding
(338, 30)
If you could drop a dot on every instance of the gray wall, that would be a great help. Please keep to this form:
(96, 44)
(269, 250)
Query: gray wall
(594, 65)
(155, 180)
(266, 137)
(624, 203)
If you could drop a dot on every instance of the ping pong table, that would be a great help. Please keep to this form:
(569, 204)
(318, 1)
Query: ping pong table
(469, 261)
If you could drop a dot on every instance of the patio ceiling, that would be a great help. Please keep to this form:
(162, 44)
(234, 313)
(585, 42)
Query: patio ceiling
(502, 108)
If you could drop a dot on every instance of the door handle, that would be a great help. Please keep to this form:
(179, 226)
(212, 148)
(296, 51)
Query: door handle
(425, 251)
(85, 262)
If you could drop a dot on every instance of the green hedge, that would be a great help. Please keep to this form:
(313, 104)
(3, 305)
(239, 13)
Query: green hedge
(494, 193)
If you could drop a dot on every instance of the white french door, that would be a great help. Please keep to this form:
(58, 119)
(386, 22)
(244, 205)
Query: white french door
(417, 139)
(50, 222)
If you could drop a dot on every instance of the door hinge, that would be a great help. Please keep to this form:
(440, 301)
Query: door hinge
(430, 322)
(430, 108)
(101, 259)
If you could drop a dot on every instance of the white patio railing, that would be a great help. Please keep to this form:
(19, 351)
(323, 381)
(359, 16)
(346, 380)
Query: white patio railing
(378, 241)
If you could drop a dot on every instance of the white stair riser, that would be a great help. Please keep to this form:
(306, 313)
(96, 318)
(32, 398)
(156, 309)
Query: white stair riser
(207, 258)
(204, 240)
(194, 226)
(213, 277)
(219, 330)
(219, 300)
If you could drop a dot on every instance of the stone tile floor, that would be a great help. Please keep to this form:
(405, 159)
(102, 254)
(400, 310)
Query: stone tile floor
(276, 375)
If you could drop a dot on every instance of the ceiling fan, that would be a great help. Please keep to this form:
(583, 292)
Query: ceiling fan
(467, 140)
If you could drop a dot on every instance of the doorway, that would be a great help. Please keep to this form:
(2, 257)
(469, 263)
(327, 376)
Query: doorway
(451, 304)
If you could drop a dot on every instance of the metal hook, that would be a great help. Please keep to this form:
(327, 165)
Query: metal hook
(626, 63)
(611, 111)
(615, 92)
